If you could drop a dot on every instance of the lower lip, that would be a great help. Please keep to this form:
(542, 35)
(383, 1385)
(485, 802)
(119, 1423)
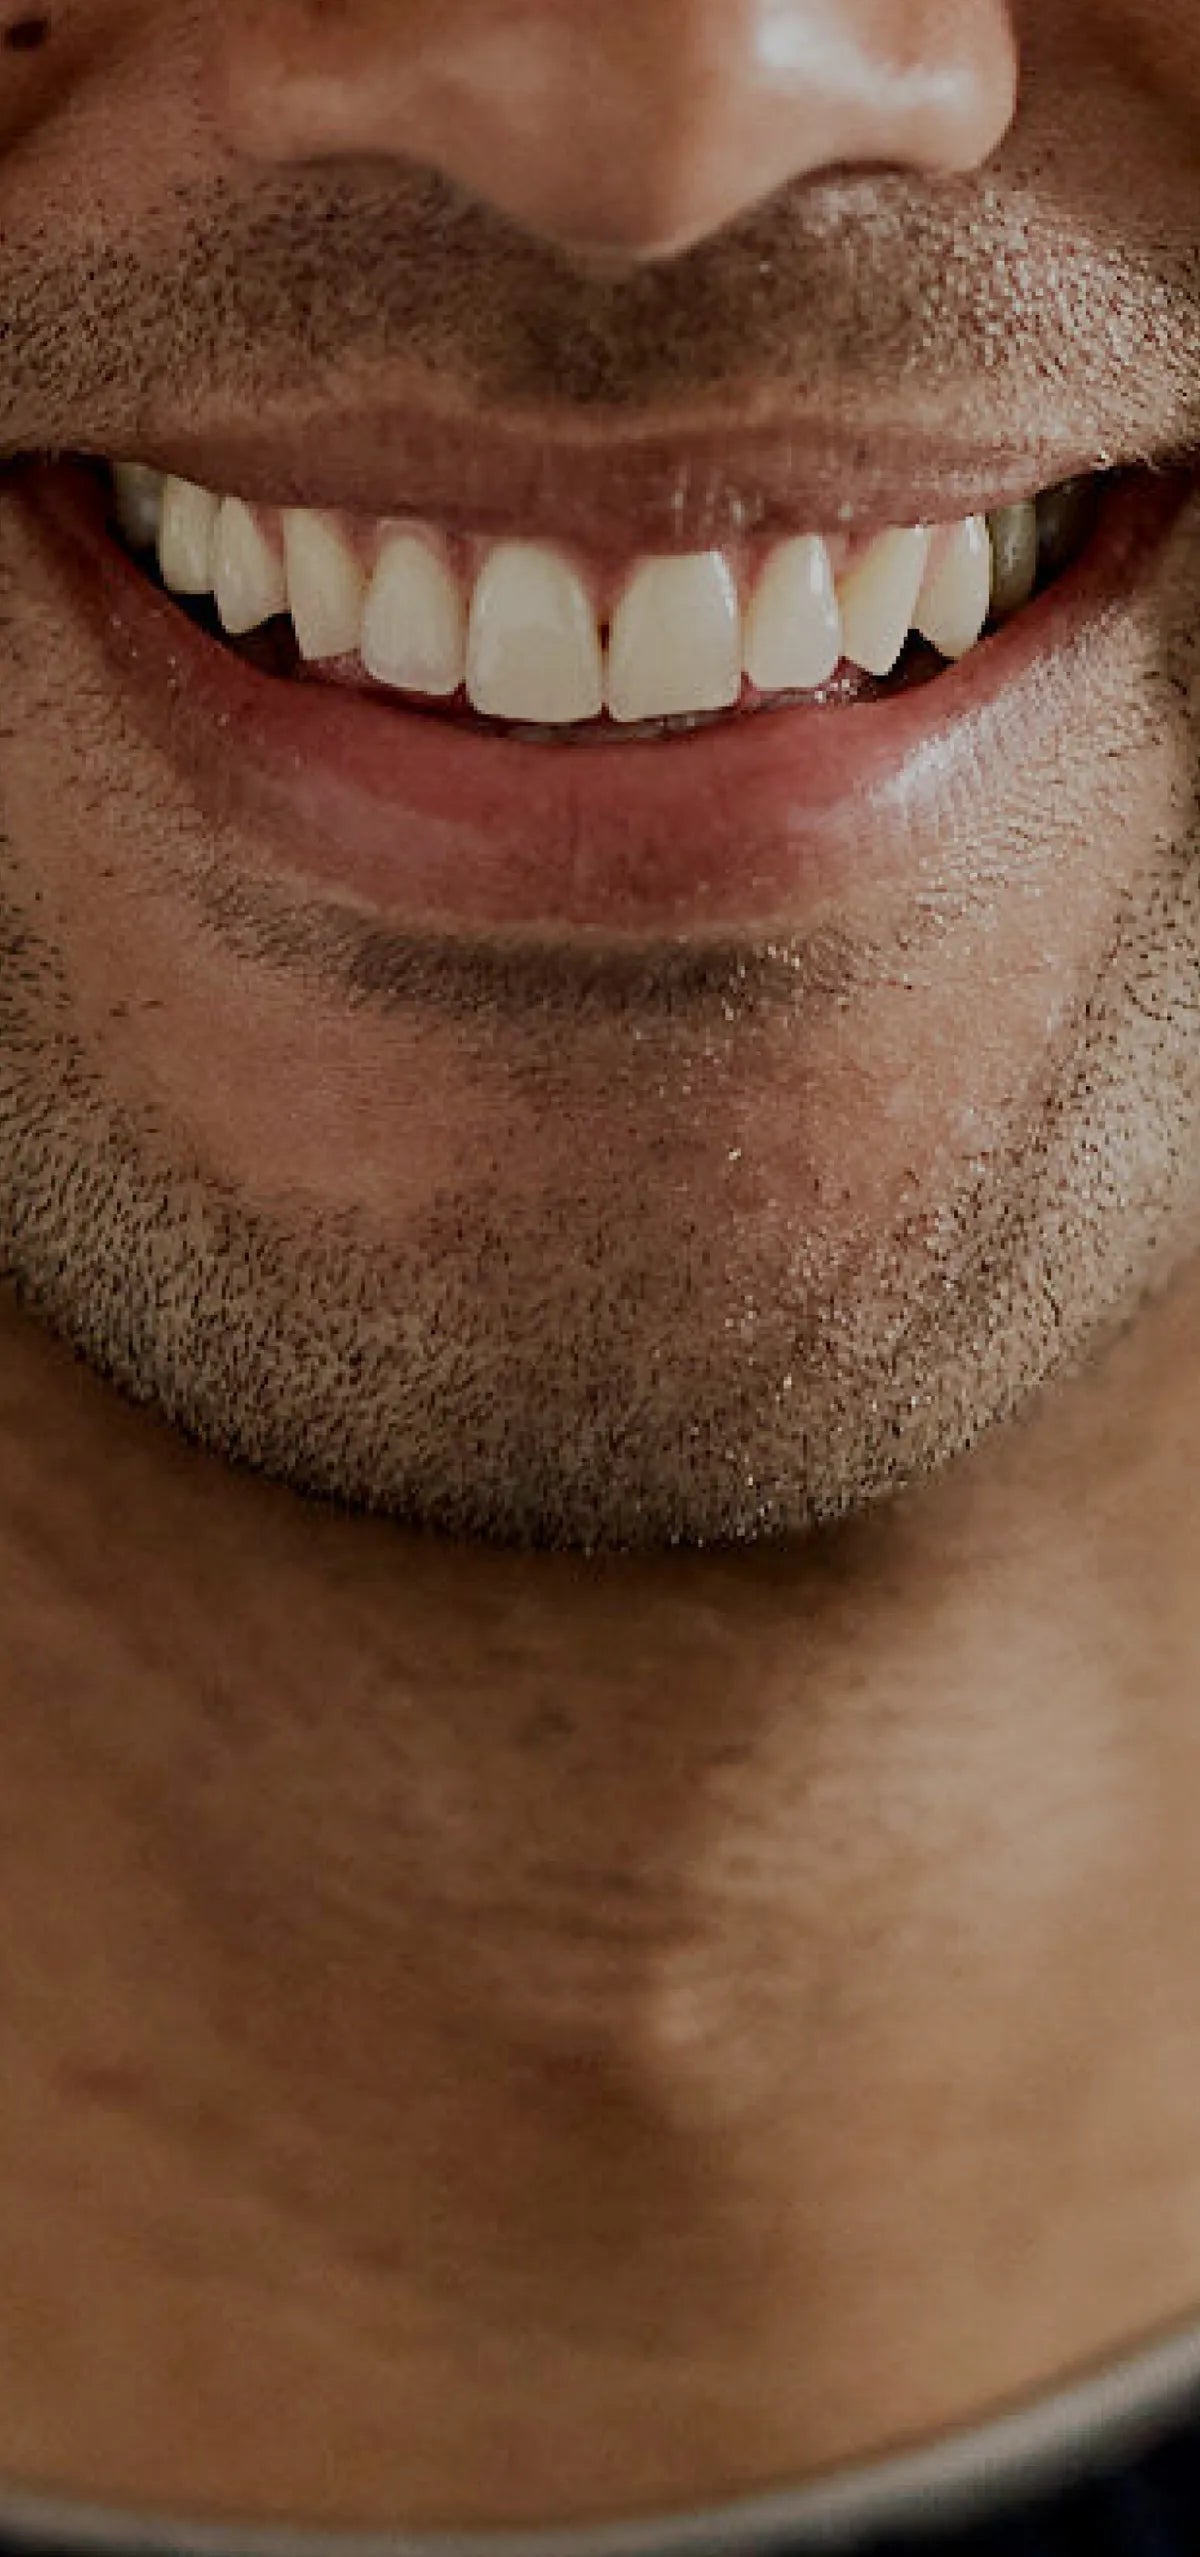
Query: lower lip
(747, 823)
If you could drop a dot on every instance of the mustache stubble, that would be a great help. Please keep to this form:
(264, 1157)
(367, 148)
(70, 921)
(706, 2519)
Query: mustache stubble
(977, 303)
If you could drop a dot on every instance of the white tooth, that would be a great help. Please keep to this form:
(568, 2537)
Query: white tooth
(952, 606)
(794, 627)
(533, 648)
(325, 583)
(247, 573)
(676, 641)
(1014, 536)
(415, 623)
(139, 494)
(877, 596)
(186, 535)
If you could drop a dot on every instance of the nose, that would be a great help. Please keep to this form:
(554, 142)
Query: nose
(635, 127)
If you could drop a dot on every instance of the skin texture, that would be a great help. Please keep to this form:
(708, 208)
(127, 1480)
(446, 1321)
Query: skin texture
(593, 2030)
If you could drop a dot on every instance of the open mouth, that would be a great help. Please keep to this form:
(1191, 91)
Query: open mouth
(394, 710)
(538, 641)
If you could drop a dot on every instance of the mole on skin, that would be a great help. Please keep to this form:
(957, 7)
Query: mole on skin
(25, 34)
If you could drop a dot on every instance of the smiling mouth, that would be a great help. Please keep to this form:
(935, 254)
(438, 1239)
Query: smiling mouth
(536, 640)
(701, 808)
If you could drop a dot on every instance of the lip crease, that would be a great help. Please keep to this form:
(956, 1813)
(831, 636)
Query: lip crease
(744, 824)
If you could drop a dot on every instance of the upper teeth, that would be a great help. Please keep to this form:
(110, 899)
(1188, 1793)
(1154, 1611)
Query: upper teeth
(534, 635)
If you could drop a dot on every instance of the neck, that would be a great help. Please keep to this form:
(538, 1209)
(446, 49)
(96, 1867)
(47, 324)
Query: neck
(585, 2036)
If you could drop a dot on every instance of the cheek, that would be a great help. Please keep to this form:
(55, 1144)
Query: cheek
(1155, 43)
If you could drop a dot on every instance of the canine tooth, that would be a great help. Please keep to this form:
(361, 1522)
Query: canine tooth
(139, 494)
(248, 577)
(794, 626)
(414, 632)
(1014, 537)
(325, 584)
(533, 647)
(952, 606)
(676, 641)
(878, 595)
(186, 534)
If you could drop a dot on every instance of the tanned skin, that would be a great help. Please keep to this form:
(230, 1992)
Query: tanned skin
(599, 1764)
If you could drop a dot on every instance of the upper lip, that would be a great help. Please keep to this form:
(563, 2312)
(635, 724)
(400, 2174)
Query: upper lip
(607, 484)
